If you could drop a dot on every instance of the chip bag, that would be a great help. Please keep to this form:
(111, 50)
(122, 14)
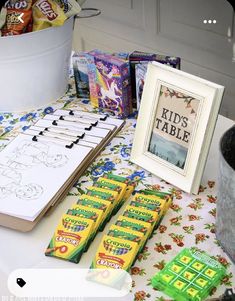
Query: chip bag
(70, 7)
(47, 13)
(18, 18)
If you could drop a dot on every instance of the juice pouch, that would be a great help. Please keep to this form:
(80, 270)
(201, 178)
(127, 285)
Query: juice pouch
(152, 199)
(142, 215)
(116, 186)
(93, 202)
(127, 234)
(47, 13)
(19, 15)
(70, 238)
(130, 185)
(104, 194)
(168, 197)
(115, 253)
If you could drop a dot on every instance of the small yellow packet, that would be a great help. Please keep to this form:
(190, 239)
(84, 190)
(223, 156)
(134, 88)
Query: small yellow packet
(47, 13)
(70, 238)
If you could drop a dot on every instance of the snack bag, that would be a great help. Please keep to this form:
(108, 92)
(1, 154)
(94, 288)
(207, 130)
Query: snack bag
(47, 13)
(70, 238)
(70, 7)
(18, 18)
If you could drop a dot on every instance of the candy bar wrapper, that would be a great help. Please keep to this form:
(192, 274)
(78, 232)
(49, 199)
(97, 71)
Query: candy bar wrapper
(69, 7)
(127, 234)
(70, 238)
(93, 202)
(116, 186)
(47, 13)
(115, 253)
(80, 67)
(17, 10)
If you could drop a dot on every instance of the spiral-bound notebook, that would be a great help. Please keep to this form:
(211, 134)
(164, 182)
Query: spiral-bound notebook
(38, 168)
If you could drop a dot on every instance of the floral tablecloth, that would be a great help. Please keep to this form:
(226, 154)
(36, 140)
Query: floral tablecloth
(190, 222)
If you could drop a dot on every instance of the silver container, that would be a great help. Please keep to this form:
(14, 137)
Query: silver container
(225, 217)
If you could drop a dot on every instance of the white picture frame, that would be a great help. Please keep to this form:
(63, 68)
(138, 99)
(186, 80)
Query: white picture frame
(175, 125)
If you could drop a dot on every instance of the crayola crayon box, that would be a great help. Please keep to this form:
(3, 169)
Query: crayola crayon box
(89, 213)
(152, 201)
(70, 238)
(168, 197)
(115, 253)
(128, 234)
(142, 215)
(116, 186)
(94, 202)
(130, 184)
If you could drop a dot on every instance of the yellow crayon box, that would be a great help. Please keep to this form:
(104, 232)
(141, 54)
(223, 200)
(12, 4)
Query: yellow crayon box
(149, 200)
(115, 186)
(115, 253)
(127, 234)
(130, 184)
(136, 225)
(94, 202)
(168, 197)
(70, 238)
(142, 215)
(94, 214)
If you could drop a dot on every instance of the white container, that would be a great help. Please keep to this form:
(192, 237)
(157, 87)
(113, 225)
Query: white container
(34, 67)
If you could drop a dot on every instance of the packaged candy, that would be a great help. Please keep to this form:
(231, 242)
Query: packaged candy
(69, 7)
(18, 18)
(115, 253)
(94, 202)
(47, 13)
(70, 238)
(190, 276)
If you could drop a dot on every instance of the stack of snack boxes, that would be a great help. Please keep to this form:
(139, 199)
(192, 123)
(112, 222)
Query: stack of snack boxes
(78, 227)
(190, 276)
(127, 237)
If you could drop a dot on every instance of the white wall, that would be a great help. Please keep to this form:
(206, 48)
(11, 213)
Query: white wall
(173, 27)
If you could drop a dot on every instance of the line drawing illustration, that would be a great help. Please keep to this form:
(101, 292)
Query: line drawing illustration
(10, 183)
(28, 154)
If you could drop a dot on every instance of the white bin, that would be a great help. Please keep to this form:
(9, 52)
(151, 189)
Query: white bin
(34, 67)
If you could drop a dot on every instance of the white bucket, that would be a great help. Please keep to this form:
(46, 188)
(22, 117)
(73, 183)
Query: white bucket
(34, 67)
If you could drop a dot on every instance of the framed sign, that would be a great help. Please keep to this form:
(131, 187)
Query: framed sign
(175, 125)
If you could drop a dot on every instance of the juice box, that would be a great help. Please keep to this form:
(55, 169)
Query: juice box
(115, 253)
(142, 215)
(130, 184)
(128, 234)
(151, 199)
(162, 195)
(116, 186)
(93, 202)
(70, 238)
(190, 276)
